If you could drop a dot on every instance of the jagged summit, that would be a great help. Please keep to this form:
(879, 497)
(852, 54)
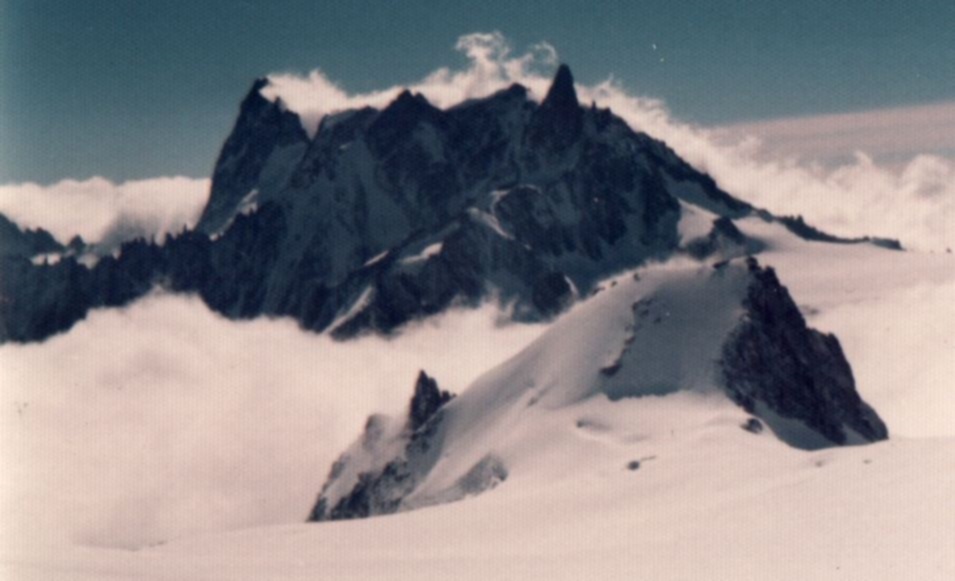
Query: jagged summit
(266, 136)
(386, 216)
(24, 242)
(426, 402)
(562, 94)
(255, 92)
(558, 124)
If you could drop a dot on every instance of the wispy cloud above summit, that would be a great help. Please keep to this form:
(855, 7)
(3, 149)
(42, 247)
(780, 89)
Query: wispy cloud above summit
(492, 66)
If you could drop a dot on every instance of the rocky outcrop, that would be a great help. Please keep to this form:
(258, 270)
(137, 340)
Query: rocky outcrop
(798, 226)
(266, 139)
(25, 243)
(362, 483)
(426, 402)
(795, 378)
(724, 240)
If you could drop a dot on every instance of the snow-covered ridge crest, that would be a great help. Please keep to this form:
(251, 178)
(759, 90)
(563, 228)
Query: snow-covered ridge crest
(725, 333)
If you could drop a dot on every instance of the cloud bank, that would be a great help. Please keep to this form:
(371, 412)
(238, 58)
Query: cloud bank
(885, 134)
(912, 200)
(107, 213)
(164, 419)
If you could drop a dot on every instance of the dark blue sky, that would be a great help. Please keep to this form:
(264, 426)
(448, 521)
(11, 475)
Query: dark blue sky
(129, 89)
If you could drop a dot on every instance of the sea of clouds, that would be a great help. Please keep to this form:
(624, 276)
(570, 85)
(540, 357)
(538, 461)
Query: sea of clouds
(165, 419)
(104, 212)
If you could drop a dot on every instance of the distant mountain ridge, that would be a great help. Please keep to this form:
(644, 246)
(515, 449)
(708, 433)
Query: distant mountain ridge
(387, 216)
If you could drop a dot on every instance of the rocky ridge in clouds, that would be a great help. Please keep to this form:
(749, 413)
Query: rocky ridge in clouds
(386, 216)
(390, 215)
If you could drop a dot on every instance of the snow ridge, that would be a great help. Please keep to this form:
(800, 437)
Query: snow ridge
(729, 332)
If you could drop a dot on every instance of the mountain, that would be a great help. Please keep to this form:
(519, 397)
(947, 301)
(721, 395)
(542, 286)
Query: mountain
(386, 216)
(728, 332)
(679, 401)
(25, 243)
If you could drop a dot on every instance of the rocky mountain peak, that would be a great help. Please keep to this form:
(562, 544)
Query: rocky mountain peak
(426, 402)
(386, 216)
(254, 98)
(558, 122)
(561, 95)
(777, 367)
(264, 131)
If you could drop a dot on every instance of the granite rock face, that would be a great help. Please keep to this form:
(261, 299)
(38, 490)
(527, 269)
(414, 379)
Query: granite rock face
(265, 139)
(25, 243)
(357, 488)
(793, 377)
(385, 216)
(426, 402)
(798, 226)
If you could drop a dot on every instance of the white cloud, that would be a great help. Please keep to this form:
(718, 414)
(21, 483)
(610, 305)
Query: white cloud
(886, 134)
(492, 67)
(104, 212)
(913, 201)
(164, 419)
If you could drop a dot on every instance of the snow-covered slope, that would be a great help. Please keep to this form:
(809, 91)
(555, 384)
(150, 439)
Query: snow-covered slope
(707, 499)
(727, 328)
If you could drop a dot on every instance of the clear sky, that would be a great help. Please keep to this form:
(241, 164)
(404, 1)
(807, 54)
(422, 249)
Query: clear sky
(130, 89)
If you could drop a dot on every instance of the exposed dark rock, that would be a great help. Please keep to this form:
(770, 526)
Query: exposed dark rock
(798, 226)
(559, 121)
(374, 494)
(76, 244)
(552, 293)
(485, 475)
(381, 490)
(794, 378)
(724, 240)
(426, 402)
(25, 243)
(531, 204)
(753, 426)
(263, 129)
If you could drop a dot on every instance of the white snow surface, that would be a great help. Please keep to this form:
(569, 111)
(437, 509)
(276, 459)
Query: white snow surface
(168, 443)
(427, 252)
(695, 222)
